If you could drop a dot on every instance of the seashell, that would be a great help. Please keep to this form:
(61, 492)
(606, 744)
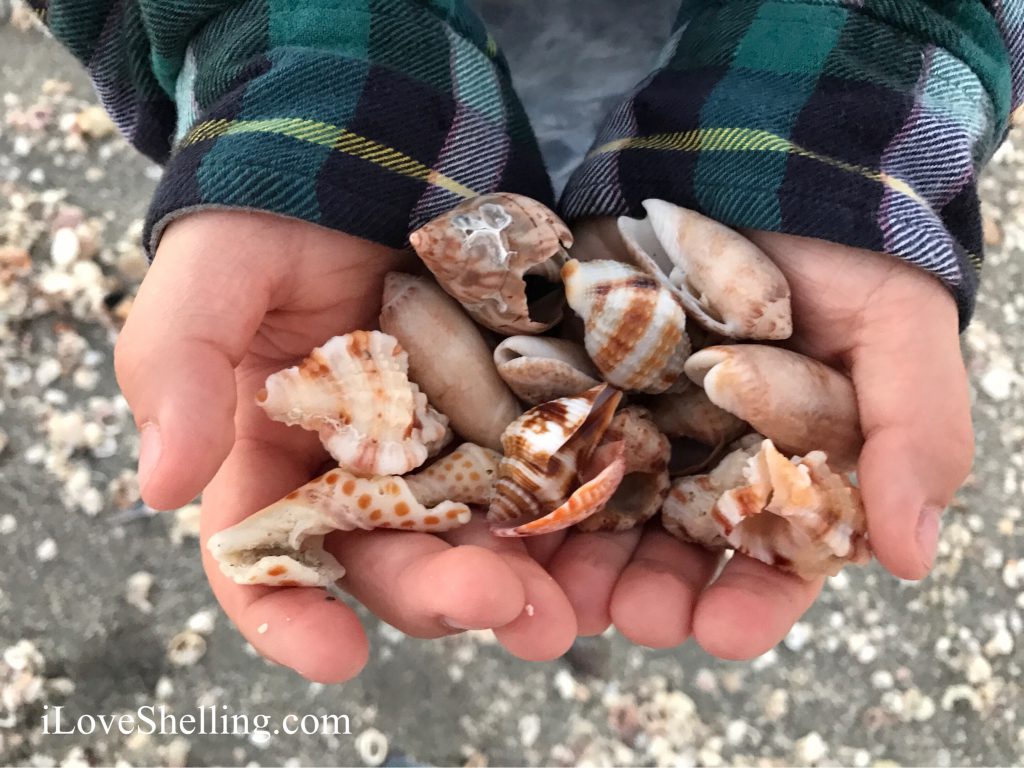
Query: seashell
(725, 282)
(448, 358)
(798, 403)
(546, 449)
(635, 328)
(282, 545)
(354, 392)
(500, 256)
(646, 481)
(796, 514)
(539, 369)
(466, 475)
(691, 414)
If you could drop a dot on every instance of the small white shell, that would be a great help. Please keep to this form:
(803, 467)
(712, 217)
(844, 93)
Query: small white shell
(466, 475)
(796, 514)
(635, 328)
(539, 369)
(481, 251)
(448, 358)
(282, 544)
(726, 283)
(354, 392)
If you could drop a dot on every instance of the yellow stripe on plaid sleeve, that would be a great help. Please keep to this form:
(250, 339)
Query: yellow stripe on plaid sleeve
(750, 140)
(335, 137)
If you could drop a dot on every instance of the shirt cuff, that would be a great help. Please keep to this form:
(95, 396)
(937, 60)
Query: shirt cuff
(371, 124)
(865, 126)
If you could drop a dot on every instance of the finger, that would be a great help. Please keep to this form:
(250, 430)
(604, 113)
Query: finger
(915, 413)
(587, 567)
(195, 316)
(654, 598)
(750, 608)
(300, 628)
(424, 586)
(543, 548)
(546, 627)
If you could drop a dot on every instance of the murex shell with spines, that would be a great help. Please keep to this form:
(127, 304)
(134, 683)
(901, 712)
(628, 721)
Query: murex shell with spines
(354, 391)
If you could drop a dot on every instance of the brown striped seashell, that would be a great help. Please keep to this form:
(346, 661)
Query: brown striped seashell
(645, 482)
(691, 414)
(466, 475)
(539, 369)
(355, 393)
(546, 451)
(635, 328)
(461, 382)
(798, 403)
(796, 514)
(500, 256)
(725, 282)
(283, 544)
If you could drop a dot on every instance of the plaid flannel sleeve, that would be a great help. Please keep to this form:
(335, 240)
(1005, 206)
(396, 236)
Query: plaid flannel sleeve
(863, 122)
(368, 116)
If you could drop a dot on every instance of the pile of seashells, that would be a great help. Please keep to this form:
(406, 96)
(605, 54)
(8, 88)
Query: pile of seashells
(641, 401)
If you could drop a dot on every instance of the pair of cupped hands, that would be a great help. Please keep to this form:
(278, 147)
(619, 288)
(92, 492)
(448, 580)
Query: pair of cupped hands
(233, 296)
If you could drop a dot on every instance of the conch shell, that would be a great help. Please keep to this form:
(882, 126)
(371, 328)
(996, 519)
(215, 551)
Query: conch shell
(282, 545)
(465, 475)
(646, 481)
(725, 282)
(635, 328)
(487, 251)
(546, 452)
(539, 369)
(797, 515)
(354, 392)
(691, 414)
(448, 358)
(798, 403)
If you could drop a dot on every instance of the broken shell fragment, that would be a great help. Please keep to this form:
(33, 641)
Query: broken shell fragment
(798, 403)
(500, 256)
(354, 392)
(635, 328)
(461, 382)
(283, 544)
(796, 514)
(545, 451)
(466, 475)
(725, 282)
(539, 369)
(645, 483)
(691, 414)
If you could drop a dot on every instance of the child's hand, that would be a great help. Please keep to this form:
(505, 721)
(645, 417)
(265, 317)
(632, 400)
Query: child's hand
(232, 297)
(894, 329)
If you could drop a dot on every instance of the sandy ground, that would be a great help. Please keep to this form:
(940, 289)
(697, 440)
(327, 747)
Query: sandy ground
(96, 594)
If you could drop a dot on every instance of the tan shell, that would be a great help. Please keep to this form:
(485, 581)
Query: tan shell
(635, 328)
(539, 369)
(691, 413)
(545, 451)
(725, 282)
(642, 490)
(796, 514)
(458, 376)
(282, 545)
(466, 475)
(798, 403)
(481, 250)
(354, 392)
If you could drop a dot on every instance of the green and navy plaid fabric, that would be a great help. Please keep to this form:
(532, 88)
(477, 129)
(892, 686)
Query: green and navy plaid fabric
(369, 116)
(863, 122)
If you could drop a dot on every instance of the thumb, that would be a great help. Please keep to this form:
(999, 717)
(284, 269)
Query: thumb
(915, 413)
(193, 320)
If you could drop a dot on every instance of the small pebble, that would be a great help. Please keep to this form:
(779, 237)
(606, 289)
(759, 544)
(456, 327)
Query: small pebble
(203, 621)
(137, 593)
(8, 524)
(186, 648)
(997, 383)
(372, 746)
(262, 628)
(810, 749)
(46, 551)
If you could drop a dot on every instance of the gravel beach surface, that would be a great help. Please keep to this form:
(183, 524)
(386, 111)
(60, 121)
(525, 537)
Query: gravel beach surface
(104, 608)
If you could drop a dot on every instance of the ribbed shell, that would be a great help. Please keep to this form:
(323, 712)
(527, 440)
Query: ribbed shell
(635, 327)
(354, 392)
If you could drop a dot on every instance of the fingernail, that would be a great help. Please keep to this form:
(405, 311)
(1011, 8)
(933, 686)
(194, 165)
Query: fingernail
(149, 452)
(453, 624)
(928, 527)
